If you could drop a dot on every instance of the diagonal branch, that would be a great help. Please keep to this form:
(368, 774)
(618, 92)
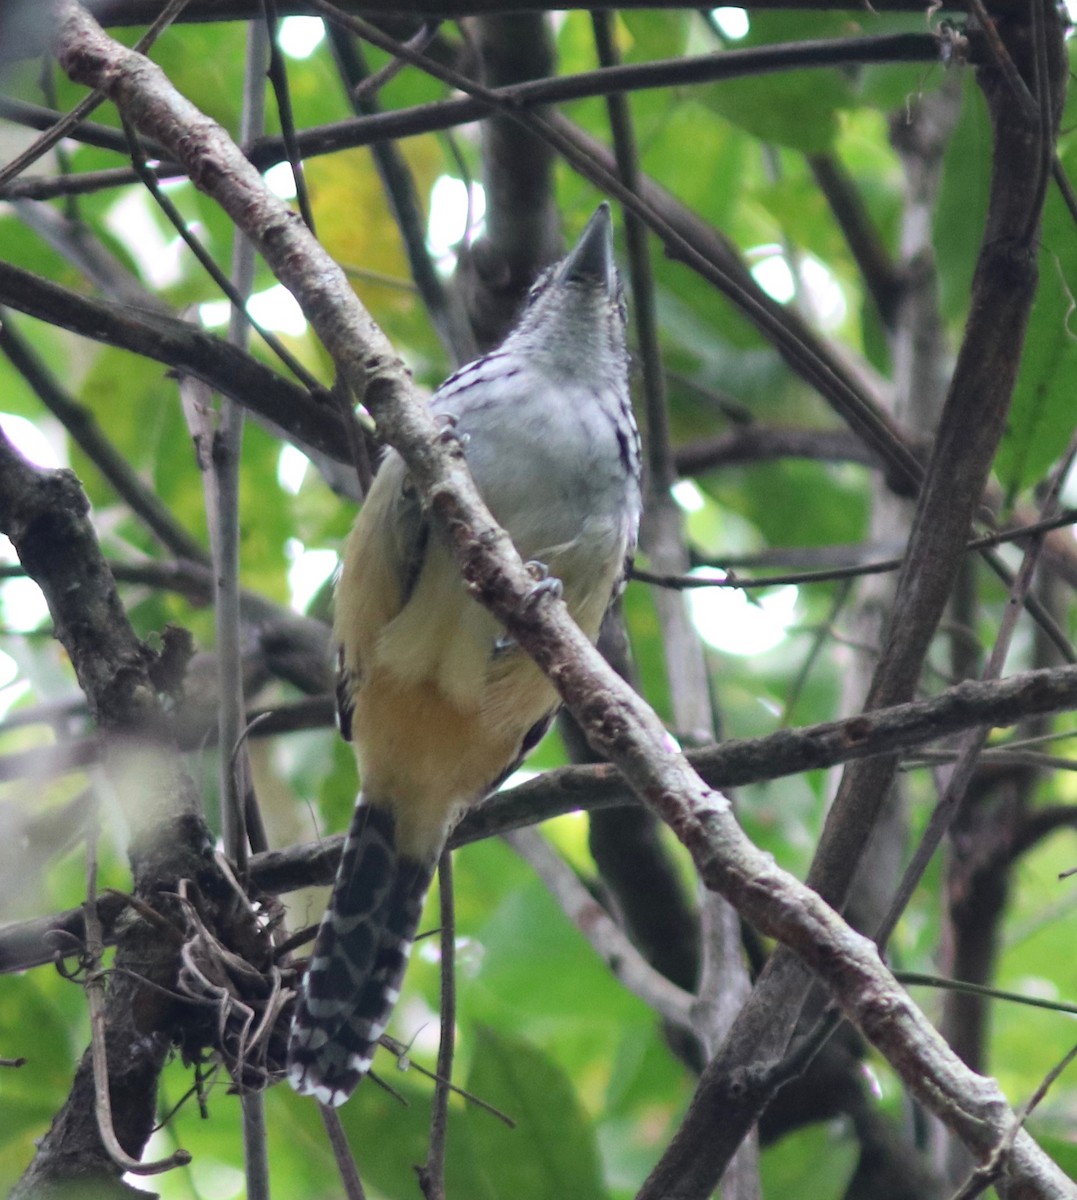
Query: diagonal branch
(971, 425)
(618, 723)
(45, 514)
(733, 763)
(310, 421)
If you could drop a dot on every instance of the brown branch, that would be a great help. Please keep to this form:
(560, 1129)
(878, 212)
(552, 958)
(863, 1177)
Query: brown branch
(522, 227)
(763, 443)
(882, 278)
(40, 116)
(82, 425)
(617, 722)
(972, 741)
(181, 346)
(521, 97)
(972, 422)
(733, 763)
(25, 33)
(45, 515)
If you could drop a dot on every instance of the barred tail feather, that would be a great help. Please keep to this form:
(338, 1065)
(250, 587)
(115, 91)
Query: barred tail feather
(359, 959)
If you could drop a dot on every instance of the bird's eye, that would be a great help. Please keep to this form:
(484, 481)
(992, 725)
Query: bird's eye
(539, 286)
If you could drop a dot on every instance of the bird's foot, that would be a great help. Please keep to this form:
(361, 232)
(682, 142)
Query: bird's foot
(545, 583)
(447, 431)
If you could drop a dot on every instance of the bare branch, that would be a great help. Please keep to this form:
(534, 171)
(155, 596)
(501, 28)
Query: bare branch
(617, 722)
(95, 997)
(311, 421)
(671, 1003)
(432, 1172)
(338, 1140)
(732, 763)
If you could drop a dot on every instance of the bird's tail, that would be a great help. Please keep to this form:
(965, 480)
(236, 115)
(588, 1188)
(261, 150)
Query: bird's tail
(359, 959)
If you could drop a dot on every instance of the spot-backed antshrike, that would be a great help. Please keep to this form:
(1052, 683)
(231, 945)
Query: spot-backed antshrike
(441, 705)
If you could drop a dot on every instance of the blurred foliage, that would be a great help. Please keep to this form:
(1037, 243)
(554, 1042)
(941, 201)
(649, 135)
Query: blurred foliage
(546, 1034)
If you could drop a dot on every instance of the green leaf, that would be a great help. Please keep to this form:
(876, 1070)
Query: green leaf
(962, 203)
(655, 33)
(795, 502)
(1042, 414)
(788, 108)
(813, 1161)
(800, 111)
(523, 987)
(552, 1151)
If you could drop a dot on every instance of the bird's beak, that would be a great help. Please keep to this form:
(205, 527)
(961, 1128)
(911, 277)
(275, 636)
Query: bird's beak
(591, 259)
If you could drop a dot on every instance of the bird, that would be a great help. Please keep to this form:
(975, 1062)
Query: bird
(441, 704)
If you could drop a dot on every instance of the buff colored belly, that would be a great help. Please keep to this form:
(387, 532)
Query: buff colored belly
(426, 757)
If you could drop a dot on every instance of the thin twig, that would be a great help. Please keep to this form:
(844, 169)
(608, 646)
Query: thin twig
(822, 637)
(1066, 517)
(255, 1145)
(405, 1062)
(150, 181)
(982, 1176)
(884, 282)
(443, 304)
(223, 501)
(999, 756)
(50, 187)
(973, 740)
(373, 83)
(278, 78)
(672, 1003)
(920, 979)
(432, 1173)
(89, 133)
(342, 1154)
(94, 985)
(71, 120)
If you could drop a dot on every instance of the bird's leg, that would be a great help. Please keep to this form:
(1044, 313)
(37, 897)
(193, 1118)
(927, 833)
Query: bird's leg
(448, 431)
(545, 584)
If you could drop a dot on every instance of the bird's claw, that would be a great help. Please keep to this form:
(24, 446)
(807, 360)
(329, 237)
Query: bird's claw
(448, 431)
(545, 583)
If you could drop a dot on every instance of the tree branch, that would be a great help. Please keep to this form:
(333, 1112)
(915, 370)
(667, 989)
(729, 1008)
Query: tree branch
(617, 722)
(45, 514)
(309, 421)
(733, 763)
(671, 1003)
(25, 33)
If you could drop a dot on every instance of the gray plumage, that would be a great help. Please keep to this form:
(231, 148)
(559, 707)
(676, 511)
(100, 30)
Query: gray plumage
(439, 702)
